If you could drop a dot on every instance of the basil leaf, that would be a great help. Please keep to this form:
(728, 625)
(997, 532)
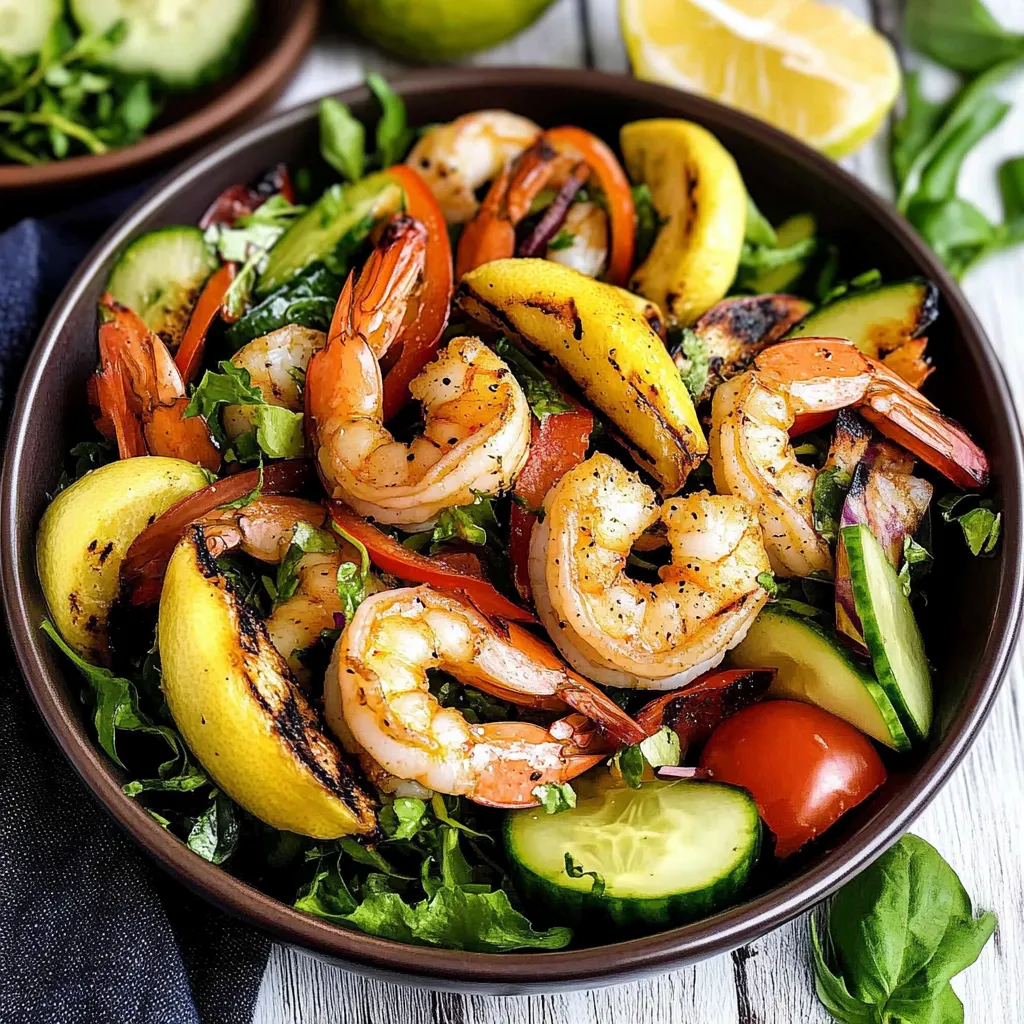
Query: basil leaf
(960, 34)
(698, 364)
(896, 935)
(961, 109)
(917, 562)
(939, 178)
(957, 230)
(575, 870)
(911, 132)
(393, 134)
(555, 797)
(544, 398)
(1011, 189)
(342, 139)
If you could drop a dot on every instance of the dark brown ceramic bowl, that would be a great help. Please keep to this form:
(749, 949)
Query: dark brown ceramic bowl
(283, 31)
(973, 616)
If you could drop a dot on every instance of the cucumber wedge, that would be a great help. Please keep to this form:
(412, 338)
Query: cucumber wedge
(666, 853)
(331, 229)
(25, 24)
(890, 630)
(160, 276)
(814, 667)
(184, 45)
(877, 321)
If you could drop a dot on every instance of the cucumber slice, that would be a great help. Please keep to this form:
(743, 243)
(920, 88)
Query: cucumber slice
(790, 232)
(814, 667)
(877, 321)
(160, 276)
(331, 228)
(25, 26)
(890, 630)
(667, 853)
(184, 45)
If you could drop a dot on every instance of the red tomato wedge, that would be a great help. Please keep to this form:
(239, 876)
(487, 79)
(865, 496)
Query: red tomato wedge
(615, 185)
(193, 342)
(145, 562)
(694, 712)
(420, 335)
(559, 443)
(804, 767)
(391, 556)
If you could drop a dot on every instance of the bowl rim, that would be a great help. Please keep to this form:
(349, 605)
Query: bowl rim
(507, 972)
(257, 85)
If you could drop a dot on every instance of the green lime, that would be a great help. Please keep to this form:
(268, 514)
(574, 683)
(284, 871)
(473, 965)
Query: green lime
(440, 30)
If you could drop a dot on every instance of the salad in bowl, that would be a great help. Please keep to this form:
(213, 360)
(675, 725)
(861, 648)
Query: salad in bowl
(498, 541)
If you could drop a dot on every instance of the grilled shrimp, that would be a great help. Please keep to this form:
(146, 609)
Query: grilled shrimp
(622, 632)
(476, 434)
(455, 159)
(587, 225)
(377, 684)
(277, 366)
(264, 530)
(752, 457)
(140, 394)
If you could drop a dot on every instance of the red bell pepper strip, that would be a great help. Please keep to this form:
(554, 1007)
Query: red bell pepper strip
(145, 562)
(694, 712)
(391, 556)
(241, 200)
(190, 351)
(422, 332)
(615, 185)
(559, 443)
(808, 421)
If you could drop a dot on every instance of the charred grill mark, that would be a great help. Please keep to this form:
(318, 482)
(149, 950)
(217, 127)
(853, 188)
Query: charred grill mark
(105, 553)
(272, 687)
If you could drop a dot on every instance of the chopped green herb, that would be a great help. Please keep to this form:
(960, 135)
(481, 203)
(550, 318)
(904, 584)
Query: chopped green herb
(648, 222)
(544, 397)
(661, 748)
(980, 523)
(472, 524)
(697, 366)
(766, 581)
(555, 797)
(827, 497)
(563, 240)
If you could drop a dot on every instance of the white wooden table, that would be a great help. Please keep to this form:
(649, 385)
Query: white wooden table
(976, 822)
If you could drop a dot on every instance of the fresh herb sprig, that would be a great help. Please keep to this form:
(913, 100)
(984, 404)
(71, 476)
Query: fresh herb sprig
(894, 937)
(65, 102)
(931, 140)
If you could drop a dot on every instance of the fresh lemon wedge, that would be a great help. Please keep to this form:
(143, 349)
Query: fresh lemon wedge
(813, 70)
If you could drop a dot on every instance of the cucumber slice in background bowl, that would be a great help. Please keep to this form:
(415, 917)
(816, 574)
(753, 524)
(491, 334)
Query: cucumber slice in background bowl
(25, 24)
(160, 275)
(891, 631)
(183, 43)
(664, 854)
(813, 666)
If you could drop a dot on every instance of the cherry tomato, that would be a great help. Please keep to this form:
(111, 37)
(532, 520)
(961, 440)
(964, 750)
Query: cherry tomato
(804, 767)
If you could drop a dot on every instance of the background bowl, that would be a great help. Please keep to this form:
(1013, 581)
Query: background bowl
(971, 622)
(283, 31)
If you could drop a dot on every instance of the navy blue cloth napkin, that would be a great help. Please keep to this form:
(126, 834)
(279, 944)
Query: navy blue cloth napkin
(90, 931)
